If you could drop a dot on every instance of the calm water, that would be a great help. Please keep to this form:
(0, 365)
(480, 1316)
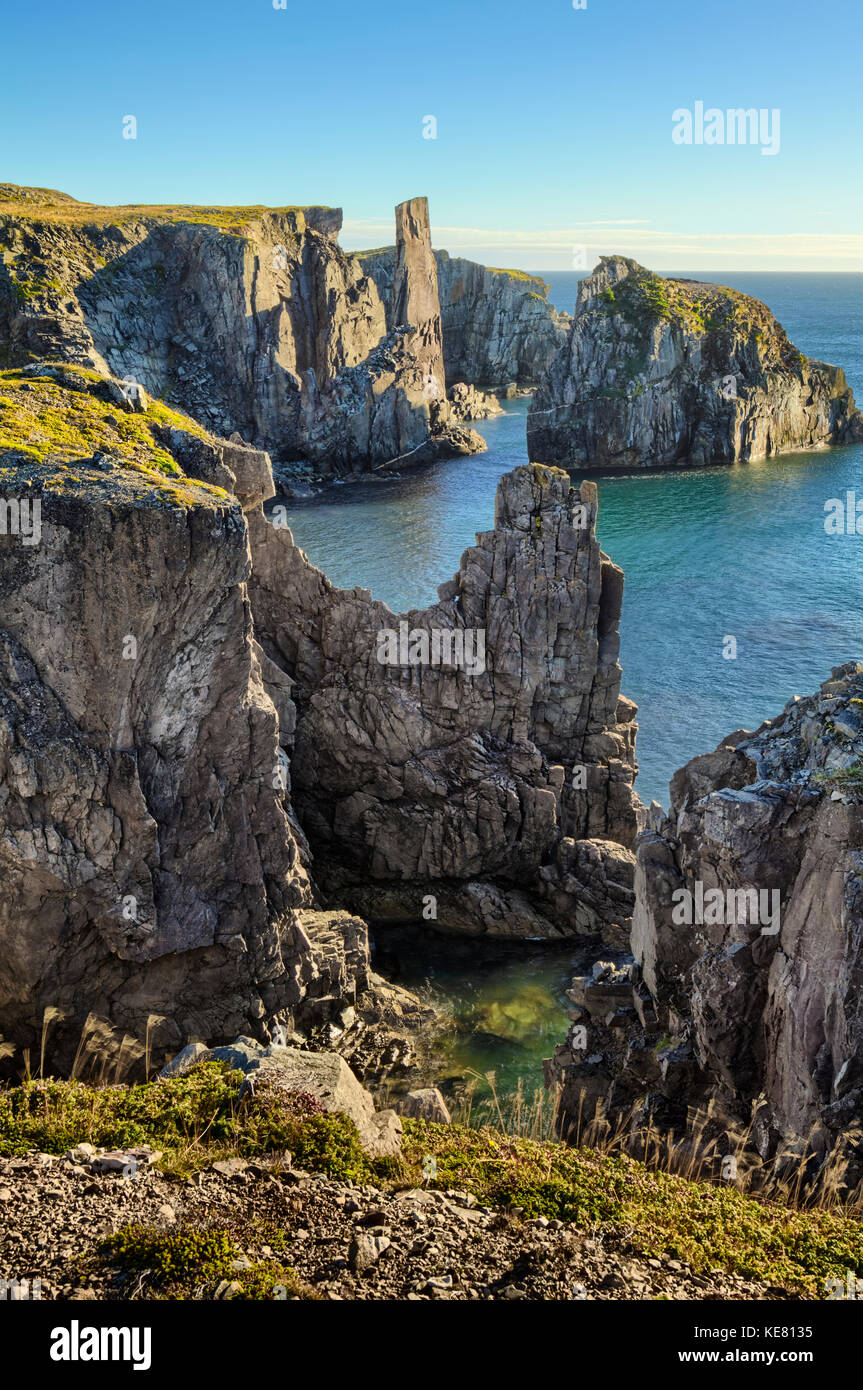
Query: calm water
(507, 999)
(707, 554)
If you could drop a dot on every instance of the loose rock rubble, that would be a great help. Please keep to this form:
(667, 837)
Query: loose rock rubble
(343, 1241)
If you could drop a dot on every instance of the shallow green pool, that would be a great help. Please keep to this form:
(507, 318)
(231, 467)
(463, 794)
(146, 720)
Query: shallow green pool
(507, 1001)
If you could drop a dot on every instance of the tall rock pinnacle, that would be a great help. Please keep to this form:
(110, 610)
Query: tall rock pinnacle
(415, 293)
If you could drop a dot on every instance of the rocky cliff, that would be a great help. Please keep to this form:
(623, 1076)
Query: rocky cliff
(251, 319)
(658, 372)
(748, 944)
(474, 759)
(499, 330)
(153, 872)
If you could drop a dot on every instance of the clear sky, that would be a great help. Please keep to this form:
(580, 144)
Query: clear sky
(554, 125)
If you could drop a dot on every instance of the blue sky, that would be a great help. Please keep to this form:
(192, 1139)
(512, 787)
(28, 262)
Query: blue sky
(553, 124)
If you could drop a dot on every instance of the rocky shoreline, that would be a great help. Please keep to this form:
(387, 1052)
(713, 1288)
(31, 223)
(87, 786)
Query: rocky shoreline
(228, 765)
(659, 373)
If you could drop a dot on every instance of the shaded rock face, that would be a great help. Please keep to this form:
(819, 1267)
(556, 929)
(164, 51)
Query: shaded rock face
(496, 778)
(148, 862)
(659, 371)
(498, 327)
(273, 333)
(755, 1007)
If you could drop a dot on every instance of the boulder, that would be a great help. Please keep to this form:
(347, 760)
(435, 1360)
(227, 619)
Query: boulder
(427, 1104)
(327, 1077)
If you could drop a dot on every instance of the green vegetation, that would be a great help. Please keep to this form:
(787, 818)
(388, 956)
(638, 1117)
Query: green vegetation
(179, 1264)
(47, 205)
(199, 1118)
(517, 275)
(708, 1226)
(840, 777)
(67, 413)
(193, 1120)
(24, 290)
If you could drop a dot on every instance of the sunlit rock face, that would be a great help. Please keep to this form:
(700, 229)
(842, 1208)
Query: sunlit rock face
(499, 329)
(267, 328)
(660, 371)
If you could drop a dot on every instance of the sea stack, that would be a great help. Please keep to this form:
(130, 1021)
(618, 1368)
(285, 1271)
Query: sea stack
(661, 372)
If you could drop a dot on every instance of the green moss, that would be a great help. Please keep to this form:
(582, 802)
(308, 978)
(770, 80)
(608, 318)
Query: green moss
(199, 1117)
(193, 1262)
(174, 1256)
(517, 275)
(708, 1226)
(67, 414)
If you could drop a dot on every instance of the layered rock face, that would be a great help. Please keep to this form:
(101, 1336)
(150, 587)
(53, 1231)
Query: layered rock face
(252, 320)
(478, 752)
(658, 372)
(498, 325)
(153, 873)
(499, 329)
(138, 757)
(748, 942)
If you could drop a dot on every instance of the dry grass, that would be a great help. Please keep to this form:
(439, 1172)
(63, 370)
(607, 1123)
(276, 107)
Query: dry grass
(49, 205)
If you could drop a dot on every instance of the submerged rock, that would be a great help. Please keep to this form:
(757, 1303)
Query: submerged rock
(658, 371)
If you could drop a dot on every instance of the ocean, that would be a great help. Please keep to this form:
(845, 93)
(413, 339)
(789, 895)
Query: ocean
(708, 554)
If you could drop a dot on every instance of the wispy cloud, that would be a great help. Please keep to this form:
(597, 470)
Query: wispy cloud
(663, 250)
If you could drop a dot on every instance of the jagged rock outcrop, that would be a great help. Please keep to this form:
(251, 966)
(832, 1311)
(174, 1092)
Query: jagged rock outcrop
(252, 320)
(489, 765)
(467, 403)
(748, 943)
(138, 756)
(499, 328)
(415, 295)
(658, 372)
(153, 873)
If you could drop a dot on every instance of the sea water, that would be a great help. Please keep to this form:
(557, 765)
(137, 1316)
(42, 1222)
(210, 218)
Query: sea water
(736, 552)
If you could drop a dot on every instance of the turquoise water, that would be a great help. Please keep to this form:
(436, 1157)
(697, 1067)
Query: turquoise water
(707, 554)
